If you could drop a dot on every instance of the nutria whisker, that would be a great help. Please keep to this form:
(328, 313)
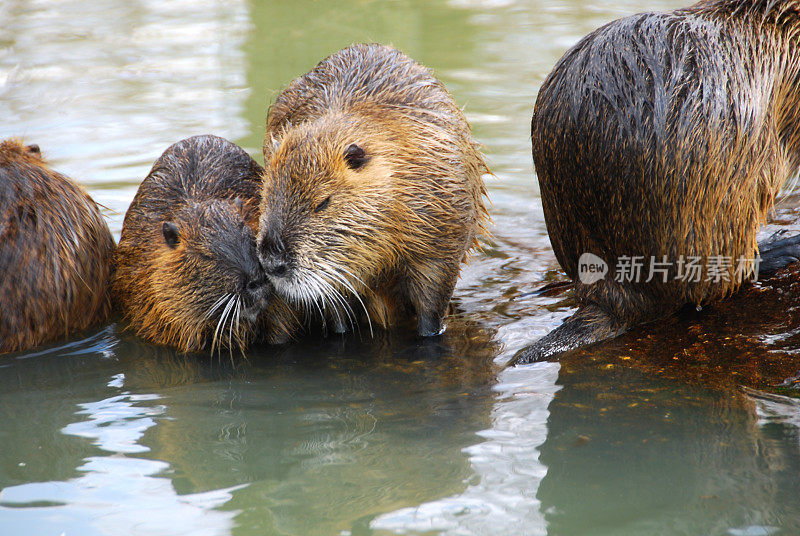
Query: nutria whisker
(332, 271)
(216, 306)
(238, 315)
(310, 299)
(319, 286)
(345, 305)
(351, 289)
(231, 318)
(221, 323)
(354, 276)
(304, 307)
(234, 318)
(328, 288)
(324, 291)
(337, 299)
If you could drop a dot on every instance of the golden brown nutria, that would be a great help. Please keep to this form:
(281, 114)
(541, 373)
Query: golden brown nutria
(55, 252)
(187, 273)
(373, 189)
(664, 138)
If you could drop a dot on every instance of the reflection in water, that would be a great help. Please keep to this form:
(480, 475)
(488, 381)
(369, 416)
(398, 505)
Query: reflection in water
(647, 434)
(122, 422)
(327, 433)
(502, 494)
(314, 438)
(630, 453)
(114, 490)
(51, 482)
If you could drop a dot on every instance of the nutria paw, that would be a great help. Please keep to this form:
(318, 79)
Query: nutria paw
(588, 325)
(539, 351)
(776, 254)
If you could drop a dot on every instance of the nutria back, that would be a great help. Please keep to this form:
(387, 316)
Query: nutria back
(662, 139)
(373, 189)
(187, 274)
(55, 252)
(377, 78)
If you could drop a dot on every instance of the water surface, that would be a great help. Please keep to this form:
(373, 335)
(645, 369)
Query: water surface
(650, 434)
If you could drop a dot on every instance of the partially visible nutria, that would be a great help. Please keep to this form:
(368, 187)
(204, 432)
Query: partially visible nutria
(55, 252)
(187, 273)
(373, 190)
(661, 138)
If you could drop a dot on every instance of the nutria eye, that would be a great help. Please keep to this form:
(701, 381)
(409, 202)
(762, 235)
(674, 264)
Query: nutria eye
(34, 149)
(323, 205)
(355, 157)
(171, 236)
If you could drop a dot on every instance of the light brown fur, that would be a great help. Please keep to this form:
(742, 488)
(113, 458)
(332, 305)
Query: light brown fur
(400, 215)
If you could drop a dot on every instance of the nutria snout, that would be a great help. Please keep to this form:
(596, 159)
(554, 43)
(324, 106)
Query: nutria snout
(188, 273)
(373, 191)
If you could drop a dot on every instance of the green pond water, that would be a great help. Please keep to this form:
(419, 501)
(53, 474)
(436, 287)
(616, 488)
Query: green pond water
(666, 431)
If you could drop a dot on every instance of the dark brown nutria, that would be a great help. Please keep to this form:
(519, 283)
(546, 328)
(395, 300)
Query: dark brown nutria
(666, 137)
(187, 272)
(55, 252)
(373, 190)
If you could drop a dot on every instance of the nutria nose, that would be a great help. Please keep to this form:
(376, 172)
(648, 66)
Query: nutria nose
(255, 284)
(275, 265)
(273, 256)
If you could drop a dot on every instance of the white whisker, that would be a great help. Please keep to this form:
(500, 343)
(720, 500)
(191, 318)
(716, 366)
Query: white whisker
(323, 288)
(230, 326)
(345, 283)
(216, 306)
(238, 315)
(221, 323)
(342, 302)
(327, 287)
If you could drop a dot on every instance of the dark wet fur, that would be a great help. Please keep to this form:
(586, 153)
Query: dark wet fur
(666, 134)
(55, 253)
(208, 189)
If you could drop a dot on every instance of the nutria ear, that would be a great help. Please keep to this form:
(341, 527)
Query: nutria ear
(33, 149)
(171, 235)
(355, 156)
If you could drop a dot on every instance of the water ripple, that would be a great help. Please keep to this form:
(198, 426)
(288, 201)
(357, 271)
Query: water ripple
(502, 500)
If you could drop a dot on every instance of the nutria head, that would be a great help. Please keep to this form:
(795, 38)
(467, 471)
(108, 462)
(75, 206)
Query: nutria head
(55, 252)
(187, 270)
(332, 213)
(205, 275)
